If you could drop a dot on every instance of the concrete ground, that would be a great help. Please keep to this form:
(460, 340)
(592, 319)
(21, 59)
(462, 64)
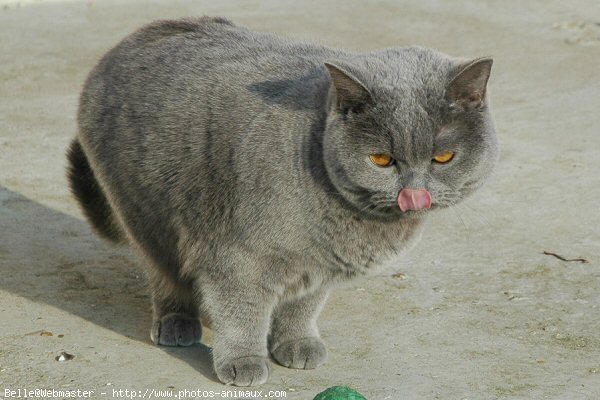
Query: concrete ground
(479, 312)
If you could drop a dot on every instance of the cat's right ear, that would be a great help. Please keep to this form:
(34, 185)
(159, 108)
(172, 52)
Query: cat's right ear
(348, 91)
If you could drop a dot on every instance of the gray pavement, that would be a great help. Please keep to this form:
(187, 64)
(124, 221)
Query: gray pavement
(478, 311)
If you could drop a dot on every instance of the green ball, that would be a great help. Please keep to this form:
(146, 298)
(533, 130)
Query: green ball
(340, 393)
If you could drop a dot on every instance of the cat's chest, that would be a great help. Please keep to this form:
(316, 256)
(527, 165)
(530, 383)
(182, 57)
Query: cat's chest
(357, 246)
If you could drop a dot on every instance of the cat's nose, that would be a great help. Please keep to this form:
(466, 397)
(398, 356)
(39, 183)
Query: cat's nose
(414, 199)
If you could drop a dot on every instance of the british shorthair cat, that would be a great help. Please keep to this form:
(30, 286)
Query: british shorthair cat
(254, 173)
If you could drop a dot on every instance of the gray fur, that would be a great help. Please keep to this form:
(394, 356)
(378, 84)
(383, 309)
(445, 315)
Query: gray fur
(237, 163)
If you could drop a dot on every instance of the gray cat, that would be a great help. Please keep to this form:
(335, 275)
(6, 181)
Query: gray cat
(254, 174)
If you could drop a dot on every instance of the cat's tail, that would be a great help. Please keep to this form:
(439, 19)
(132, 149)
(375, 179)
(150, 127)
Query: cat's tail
(92, 199)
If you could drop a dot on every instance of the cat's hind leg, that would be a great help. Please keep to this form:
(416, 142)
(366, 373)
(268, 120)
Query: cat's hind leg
(175, 312)
(295, 340)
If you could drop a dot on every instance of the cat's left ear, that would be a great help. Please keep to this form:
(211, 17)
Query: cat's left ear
(467, 88)
(350, 92)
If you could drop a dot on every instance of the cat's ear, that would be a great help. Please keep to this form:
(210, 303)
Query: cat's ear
(467, 88)
(350, 92)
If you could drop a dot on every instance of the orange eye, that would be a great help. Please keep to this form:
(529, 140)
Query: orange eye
(444, 157)
(381, 160)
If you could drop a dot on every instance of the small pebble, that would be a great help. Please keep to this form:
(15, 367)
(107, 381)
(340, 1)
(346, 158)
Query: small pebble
(399, 275)
(64, 356)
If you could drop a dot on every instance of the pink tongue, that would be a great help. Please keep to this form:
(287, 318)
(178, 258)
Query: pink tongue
(414, 199)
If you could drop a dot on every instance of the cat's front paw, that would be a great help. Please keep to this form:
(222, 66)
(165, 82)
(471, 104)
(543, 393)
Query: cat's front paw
(305, 353)
(244, 371)
(176, 330)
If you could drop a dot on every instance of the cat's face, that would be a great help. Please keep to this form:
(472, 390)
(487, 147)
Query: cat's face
(408, 138)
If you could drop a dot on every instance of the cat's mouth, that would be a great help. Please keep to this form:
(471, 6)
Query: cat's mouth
(411, 203)
(391, 209)
(407, 203)
(414, 200)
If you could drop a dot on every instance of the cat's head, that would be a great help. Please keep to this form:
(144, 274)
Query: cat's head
(408, 130)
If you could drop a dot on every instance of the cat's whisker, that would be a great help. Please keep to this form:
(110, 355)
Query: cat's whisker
(367, 207)
(454, 205)
(460, 217)
(472, 213)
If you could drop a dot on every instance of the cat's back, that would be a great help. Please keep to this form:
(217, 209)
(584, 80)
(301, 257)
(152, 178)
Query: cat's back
(183, 78)
(196, 41)
(220, 34)
(210, 52)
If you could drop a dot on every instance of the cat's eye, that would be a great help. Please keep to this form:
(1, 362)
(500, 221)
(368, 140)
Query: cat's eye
(381, 159)
(444, 157)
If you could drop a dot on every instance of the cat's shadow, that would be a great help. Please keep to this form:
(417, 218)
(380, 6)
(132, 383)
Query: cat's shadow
(50, 257)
